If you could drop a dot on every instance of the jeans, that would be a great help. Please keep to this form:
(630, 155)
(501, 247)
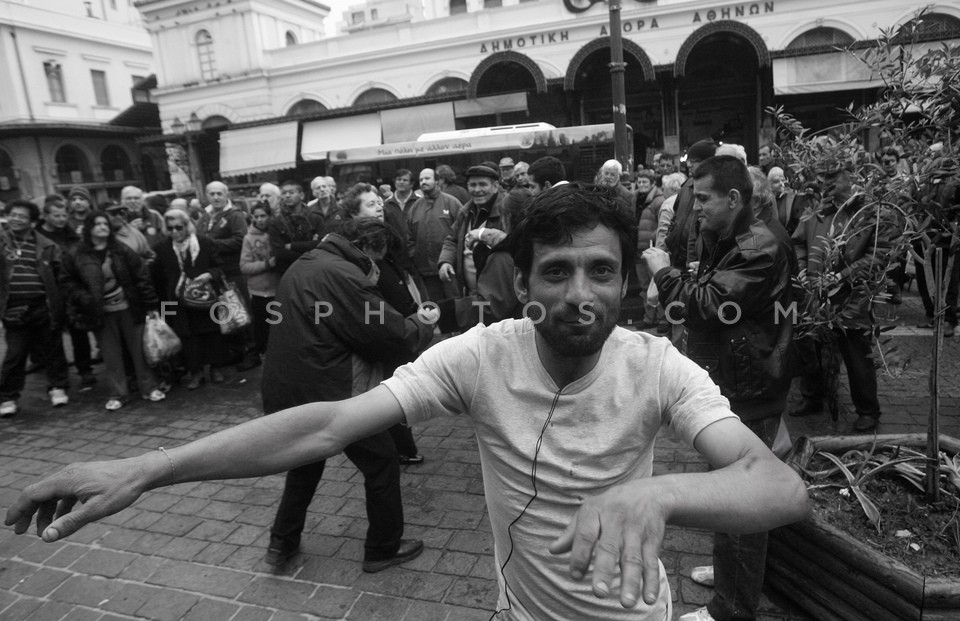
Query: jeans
(856, 349)
(34, 334)
(739, 560)
(376, 458)
(81, 351)
(119, 331)
(259, 314)
(403, 438)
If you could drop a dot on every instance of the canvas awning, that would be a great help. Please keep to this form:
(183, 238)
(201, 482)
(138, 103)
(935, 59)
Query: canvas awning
(322, 137)
(258, 149)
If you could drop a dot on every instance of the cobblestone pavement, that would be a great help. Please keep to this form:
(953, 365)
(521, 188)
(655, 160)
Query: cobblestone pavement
(195, 551)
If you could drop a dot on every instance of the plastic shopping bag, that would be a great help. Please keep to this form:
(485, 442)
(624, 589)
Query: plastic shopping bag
(160, 342)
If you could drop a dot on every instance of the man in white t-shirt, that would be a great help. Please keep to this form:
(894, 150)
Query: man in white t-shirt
(567, 407)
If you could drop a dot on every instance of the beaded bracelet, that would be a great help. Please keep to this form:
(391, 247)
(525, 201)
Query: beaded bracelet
(173, 469)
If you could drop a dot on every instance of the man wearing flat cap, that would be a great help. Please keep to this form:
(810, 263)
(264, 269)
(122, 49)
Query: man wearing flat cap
(476, 230)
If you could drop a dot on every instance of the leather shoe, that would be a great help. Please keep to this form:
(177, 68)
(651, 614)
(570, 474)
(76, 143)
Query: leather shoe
(277, 557)
(866, 423)
(409, 549)
(807, 408)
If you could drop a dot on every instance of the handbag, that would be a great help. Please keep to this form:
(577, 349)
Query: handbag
(231, 312)
(160, 342)
(198, 295)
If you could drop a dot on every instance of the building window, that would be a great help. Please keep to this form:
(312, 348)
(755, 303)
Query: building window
(356, 17)
(929, 27)
(492, 4)
(100, 91)
(208, 65)
(818, 38)
(55, 81)
(447, 85)
(458, 6)
(306, 106)
(291, 38)
(373, 14)
(137, 79)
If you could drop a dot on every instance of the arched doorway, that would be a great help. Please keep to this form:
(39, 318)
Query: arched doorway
(588, 83)
(208, 147)
(724, 81)
(9, 184)
(502, 73)
(73, 167)
(115, 164)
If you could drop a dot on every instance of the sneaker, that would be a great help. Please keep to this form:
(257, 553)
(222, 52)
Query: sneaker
(700, 614)
(406, 460)
(113, 404)
(8, 409)
(58, 397)
(156, 395)
(409, 549)
(702, 575)
(277, 557)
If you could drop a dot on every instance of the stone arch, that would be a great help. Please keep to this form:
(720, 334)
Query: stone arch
(629, 48)
(752, 37)
(216, 109)
(501, 57)
(839, 24)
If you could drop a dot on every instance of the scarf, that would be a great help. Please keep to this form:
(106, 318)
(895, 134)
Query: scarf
(188, 248)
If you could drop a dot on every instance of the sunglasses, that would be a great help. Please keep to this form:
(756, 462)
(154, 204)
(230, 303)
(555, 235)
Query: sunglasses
(175, 227)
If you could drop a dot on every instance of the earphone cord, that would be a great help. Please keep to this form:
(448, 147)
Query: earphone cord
(533, 482)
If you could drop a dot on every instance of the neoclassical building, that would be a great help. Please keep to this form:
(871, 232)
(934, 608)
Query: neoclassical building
(75, 81)
(269, 96)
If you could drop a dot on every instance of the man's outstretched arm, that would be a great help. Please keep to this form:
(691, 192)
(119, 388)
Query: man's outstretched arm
(749, 491)
(85, 492)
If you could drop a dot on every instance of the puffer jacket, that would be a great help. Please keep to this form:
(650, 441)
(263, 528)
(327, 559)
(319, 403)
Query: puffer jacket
(737, 332)
(84, 285)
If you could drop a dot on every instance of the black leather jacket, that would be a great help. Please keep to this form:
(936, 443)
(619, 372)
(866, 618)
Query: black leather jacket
(737, 331)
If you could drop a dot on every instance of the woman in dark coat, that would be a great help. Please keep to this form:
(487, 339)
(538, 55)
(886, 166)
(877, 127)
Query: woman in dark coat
(181, 258)
(397, 288)
(109, 292)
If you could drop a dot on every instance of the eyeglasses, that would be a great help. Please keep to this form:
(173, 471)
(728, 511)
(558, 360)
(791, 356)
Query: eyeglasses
(175, 227)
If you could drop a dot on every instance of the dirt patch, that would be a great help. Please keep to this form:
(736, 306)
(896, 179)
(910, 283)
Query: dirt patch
(932, 547)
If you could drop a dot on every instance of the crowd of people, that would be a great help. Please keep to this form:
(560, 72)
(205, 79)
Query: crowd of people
(526, 271)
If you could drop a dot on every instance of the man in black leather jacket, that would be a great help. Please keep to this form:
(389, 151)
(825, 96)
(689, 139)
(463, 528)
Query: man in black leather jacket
(735, 307)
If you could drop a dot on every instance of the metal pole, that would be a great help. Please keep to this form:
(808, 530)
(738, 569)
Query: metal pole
(933, 422)
(617, 71)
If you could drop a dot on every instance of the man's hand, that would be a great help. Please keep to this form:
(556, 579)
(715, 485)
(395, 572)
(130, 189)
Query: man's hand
(102, 489)
(623, 527)
(446, 272)
(656, 259)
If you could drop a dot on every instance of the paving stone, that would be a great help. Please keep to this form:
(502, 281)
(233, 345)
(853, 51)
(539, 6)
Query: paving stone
(394, 581)
(106, 563)
(167, 605)
(42, 582)
(372, 607)
(142, 568)
(277, 593)
(473, 593)
(207, 609)
(331, 571)
(201, 579)
(83, 614)
(22, 609)
(176, 525)
(429, 586)
(456, 563)
(12, 573)
(253, 613)
(66, 555)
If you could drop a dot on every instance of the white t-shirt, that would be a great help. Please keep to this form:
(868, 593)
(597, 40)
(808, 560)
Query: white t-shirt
(600, 434)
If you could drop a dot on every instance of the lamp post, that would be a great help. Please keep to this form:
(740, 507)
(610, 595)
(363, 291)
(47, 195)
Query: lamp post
(189, 132)
(617, 71)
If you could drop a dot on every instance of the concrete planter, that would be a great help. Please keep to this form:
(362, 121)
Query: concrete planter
(834, 577)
